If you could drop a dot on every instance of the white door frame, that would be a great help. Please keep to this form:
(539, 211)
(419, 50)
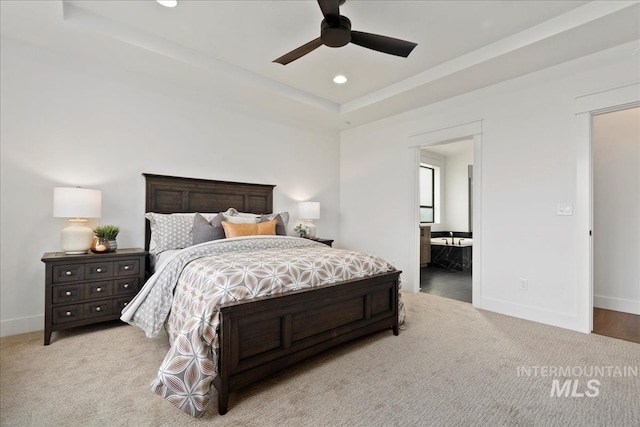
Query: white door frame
(586, 106)
(471, 130)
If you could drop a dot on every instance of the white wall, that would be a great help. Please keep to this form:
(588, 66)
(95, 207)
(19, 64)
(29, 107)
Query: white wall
(529, 153)
(457, 190)
(66, 127)
(616, 210)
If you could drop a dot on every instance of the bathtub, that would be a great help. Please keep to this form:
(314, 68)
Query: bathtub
(447, 241)
(453, 255)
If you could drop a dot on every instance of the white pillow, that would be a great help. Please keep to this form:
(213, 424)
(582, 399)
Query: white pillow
(241, 219)
(231, 212)
(233, 216)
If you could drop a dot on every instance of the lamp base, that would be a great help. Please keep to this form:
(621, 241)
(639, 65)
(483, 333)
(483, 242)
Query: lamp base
(311, 228)
(76, 238)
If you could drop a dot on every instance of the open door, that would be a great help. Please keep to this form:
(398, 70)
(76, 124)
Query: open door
(615, 138)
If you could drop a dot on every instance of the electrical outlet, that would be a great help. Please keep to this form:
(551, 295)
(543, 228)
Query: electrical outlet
(523, 284)
(564, 209)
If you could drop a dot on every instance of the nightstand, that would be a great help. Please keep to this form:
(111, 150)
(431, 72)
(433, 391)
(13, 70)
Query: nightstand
(89, 288)
(327, 242)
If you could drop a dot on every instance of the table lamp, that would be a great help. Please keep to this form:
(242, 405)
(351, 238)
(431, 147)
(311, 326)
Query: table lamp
(77, 204)
(308, 211)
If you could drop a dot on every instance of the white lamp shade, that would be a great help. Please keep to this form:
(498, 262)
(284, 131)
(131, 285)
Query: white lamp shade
(76, 202)
(309, 210)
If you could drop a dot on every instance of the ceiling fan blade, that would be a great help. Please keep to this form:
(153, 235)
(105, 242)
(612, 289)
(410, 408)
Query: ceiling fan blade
(330, 10)
(382, 43)
(299, 52)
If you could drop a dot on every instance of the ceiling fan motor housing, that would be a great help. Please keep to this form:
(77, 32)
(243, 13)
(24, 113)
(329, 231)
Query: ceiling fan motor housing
(336, 34)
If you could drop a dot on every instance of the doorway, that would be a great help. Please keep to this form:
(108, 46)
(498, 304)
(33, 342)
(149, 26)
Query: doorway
(446, 226)
(615, 137)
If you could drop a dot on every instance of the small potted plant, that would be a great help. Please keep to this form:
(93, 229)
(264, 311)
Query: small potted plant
(108, 234)
(301, 230)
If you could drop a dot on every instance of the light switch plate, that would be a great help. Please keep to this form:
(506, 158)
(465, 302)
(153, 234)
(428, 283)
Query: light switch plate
(564, 209)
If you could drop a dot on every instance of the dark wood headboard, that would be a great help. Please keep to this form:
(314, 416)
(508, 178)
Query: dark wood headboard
(171, 194)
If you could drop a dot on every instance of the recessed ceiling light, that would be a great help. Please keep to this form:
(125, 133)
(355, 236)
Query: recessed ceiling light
(168, 3)
(340, 79)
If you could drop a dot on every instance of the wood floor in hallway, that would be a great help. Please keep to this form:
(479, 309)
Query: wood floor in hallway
(616, 324)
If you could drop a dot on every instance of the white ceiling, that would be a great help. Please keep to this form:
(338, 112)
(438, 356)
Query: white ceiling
(225, 49)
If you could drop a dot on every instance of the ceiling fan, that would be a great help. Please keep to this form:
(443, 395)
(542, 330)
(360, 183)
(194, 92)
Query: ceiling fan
(335, 31)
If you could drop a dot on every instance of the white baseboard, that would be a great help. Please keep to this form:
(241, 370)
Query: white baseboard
(22, 325)
(616, 304)
(548, 317)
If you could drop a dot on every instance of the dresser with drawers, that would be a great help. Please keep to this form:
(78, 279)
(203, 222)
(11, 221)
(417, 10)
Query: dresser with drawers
(89, 288)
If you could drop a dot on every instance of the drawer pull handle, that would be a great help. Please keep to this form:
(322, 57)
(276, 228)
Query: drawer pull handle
(68, 293)
(98, 270)
(97, 308)
(126, 267)
(68, 273)
(98, 289)
(126, 286)
(68, 314)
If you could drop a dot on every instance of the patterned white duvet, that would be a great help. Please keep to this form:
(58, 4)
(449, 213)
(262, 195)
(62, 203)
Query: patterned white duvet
(196, 280)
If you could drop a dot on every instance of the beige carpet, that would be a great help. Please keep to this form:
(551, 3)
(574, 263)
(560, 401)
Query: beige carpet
(452, 365)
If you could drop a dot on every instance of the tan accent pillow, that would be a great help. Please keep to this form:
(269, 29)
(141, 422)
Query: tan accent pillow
(237, 230)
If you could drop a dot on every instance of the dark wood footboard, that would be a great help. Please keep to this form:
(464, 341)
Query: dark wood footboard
(262, 336)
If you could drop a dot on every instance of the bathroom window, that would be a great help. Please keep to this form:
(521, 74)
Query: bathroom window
(427, 190)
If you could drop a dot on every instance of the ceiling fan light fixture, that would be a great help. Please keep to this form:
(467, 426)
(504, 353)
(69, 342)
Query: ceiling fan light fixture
(168, 3)
(340, 79)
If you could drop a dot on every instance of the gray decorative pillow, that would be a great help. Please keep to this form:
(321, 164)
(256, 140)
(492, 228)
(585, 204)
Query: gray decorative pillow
(206, 231)
(281, 218)
(170, 231)
(283, 215)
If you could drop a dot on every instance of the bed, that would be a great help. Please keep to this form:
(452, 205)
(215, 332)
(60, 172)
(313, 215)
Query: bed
(260, 336)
